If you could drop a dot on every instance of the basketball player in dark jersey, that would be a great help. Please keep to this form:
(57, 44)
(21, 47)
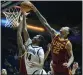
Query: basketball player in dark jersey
(61, 47)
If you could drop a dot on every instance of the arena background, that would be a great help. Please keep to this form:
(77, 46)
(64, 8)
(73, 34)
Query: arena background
(58, 14)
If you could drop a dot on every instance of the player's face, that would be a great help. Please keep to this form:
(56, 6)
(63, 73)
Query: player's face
(64, 31)
(36, 38)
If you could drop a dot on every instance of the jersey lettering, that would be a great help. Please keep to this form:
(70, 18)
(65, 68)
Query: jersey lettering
(57, 46)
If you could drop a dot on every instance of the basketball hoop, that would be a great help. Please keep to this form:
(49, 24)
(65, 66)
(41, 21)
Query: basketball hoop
(12, 16)
(13, 13)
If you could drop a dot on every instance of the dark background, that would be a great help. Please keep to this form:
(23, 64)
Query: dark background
(58, 14)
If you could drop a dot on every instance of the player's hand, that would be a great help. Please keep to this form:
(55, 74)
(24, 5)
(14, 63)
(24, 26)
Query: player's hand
(66, 64)
(31, 6)
(75, 65)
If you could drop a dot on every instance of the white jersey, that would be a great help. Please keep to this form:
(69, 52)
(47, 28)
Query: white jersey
(35, 53)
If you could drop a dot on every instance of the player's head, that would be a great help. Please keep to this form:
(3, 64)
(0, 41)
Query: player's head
(38, 39)
(65, 31)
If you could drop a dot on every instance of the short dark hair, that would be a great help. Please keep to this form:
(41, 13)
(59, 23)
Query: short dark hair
(42, 42)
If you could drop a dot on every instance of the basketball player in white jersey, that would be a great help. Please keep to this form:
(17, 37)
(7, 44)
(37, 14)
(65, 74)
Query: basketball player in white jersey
(34, 54)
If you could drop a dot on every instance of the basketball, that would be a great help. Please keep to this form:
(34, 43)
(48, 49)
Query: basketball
(25, 6)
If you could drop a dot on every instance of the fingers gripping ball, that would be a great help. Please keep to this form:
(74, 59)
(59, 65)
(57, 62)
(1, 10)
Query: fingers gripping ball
(25, 6)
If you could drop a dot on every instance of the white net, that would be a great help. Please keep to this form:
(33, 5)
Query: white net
(12, 16)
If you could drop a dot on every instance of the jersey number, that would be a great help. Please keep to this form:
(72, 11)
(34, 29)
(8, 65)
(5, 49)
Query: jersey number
(56, 50)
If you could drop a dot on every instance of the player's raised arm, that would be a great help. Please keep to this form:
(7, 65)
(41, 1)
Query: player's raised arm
(25, 32)
(42, 19)
(44, 22)
(47, 52)
(19, 38)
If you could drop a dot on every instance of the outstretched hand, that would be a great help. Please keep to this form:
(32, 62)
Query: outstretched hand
(26, 6)
(31, 6)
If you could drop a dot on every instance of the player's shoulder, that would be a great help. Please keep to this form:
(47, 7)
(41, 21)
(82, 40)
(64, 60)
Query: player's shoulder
(40, 51)
(40, 48)
(68, 41)
(69, 44)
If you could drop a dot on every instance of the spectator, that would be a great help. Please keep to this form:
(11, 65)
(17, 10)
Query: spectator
(76, 69)
(3, 72)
